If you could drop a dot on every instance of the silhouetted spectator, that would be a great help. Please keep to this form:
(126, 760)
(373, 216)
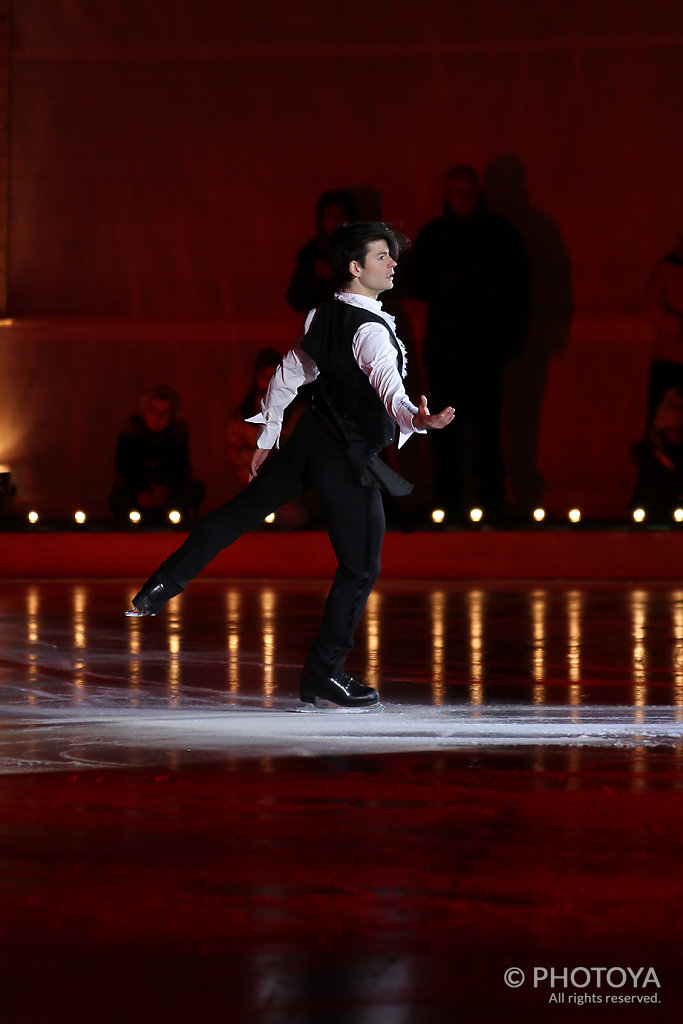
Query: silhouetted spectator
(659, 488)
(472, 270)
(153, 473)
(313, 279)
(664, 308)
(660, 460)
(242, 436)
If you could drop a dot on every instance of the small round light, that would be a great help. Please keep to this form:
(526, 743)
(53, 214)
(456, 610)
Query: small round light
(438, 515)
(174, 515)
(80, 517)
(574, 515)
(33, 517)
(476, 515)
(270, 518)
(539, 514)
(134, 516)
(678, 515)
(638, 515)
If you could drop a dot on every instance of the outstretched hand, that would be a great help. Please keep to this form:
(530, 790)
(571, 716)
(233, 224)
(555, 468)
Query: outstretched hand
(423, 420)
(258, 458)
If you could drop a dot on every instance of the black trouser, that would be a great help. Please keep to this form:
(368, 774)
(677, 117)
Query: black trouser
(355, 524)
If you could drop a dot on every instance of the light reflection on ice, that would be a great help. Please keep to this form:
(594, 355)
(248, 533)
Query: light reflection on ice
(131, 691)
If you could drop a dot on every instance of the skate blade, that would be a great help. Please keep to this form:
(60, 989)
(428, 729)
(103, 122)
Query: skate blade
(326, 707)
(133, 613)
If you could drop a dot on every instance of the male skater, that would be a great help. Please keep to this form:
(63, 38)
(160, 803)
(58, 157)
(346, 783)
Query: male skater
(350, 350)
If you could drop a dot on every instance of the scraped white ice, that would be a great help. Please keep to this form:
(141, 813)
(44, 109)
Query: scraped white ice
(48, 735)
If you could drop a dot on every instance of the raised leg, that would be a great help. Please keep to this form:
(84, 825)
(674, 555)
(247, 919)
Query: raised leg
(276, 484)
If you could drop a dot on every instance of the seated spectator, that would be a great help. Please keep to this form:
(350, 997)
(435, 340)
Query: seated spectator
(313, 280)
(664, 309)
(152, 466)
(660, 461)
(242, 438)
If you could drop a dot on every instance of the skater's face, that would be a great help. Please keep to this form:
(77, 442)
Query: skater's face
(376, 273)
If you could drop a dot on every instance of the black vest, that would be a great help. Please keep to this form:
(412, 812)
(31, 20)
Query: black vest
(342, 389)
(344, 401)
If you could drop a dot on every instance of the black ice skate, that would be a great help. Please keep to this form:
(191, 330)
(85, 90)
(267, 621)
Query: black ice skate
(340, 690)
(152, 597)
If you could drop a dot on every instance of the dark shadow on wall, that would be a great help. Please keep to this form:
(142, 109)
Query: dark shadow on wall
(551, 314)
(369, 201)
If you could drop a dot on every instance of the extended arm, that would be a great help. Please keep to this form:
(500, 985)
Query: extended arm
(423, 420)
(377, 358)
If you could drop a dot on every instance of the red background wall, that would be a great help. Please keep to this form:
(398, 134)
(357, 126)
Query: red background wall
(166, 158)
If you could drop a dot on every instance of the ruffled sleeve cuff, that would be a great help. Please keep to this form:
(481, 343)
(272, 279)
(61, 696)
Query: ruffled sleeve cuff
(269, 435)
(404, 417)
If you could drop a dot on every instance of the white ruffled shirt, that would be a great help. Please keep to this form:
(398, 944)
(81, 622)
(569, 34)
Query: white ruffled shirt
(375, 355)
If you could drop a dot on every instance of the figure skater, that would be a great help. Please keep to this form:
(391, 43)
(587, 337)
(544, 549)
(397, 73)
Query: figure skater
(351, 351)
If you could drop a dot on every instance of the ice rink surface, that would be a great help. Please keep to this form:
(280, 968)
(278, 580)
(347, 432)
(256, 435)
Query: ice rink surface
(216, 674)
(97, 732)
(180, 841)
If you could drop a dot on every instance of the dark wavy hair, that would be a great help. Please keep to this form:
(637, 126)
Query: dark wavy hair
(350, 242)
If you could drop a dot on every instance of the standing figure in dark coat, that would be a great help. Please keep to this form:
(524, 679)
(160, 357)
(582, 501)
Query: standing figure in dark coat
(471, 268)
(313, 280)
